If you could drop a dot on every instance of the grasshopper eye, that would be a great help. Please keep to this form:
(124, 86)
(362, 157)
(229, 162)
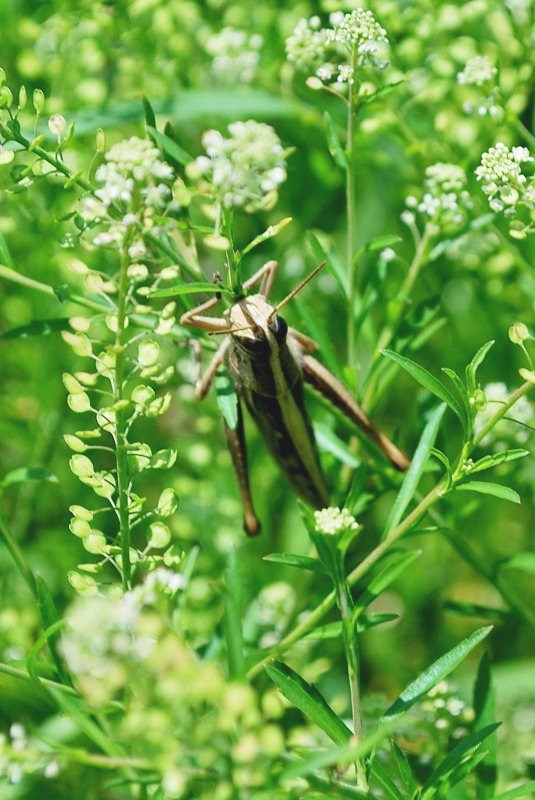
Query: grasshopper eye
(280, 329)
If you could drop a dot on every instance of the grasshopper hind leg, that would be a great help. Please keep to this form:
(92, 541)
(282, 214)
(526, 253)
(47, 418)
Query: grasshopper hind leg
(236, 444)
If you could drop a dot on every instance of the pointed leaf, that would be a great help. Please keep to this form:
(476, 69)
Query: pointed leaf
(293, 560)
(484, 487)
(189, 288)
(335, 264)
(50, 617)
(404, 769)
(379, 243)
(455, 758)
(461, 388)
(389, 788)
(169, 146)
(429, 382)
(382, 581)
(434, 674)
(333, 142)
(494, 459)
(150, 117)
(523, 561)
(476, 610)
(382, 91)
(308, 700)
(415, 471)
(518, 791)
(329, 442)
(23, 474)
(39, 327)
(269, 233)
(484, 707)
(471, 369)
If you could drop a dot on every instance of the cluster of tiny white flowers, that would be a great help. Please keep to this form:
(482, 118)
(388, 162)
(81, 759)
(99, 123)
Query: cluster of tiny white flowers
(512, 428)
(243, 169)
(503, 181)
(333, 54)
(135, 181)
(334, 520)
(235, 55)
(445, 200)
(19, 756)
(480, 72)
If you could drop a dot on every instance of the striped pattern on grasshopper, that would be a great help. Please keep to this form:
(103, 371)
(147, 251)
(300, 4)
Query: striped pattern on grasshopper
(268, 363)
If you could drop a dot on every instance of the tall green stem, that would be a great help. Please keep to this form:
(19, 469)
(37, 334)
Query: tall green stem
(351, 223)
(120, 424)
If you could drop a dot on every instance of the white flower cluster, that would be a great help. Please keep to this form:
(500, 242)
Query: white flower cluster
(106, 636)
(242, 170)
(235, 55)
(480, 72)
(503, 181)
(20, 756)
(445, 200)
(336, 53)
(135, 182)
(334, 520)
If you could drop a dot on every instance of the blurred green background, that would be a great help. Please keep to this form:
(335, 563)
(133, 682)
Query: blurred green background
(94, 60)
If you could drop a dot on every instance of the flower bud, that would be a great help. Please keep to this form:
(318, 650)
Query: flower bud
(38, 101)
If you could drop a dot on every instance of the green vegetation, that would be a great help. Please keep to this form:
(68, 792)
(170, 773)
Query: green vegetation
(153, 156)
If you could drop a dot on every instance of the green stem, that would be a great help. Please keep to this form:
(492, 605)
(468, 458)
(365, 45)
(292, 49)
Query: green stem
(121, 423)
(403, 294)
(349, 634)
(351, 223)
(16, 553)
(314, 617)
(502, 411)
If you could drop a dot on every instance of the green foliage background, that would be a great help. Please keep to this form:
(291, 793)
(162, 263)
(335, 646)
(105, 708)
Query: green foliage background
(94, 60)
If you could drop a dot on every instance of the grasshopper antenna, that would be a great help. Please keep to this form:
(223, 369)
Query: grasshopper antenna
(296, 290)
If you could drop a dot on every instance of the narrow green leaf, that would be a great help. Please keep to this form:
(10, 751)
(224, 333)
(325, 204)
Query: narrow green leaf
(471, 369)
(523, 561)
(382, 91)
(461, 388)
(434, 674)
(331, 443)
(227, 399)
(49, 618)
(476, 610)
(333, 630)
(23, 474)
(382, 581)
(5, 255)
(484, 707)
(485, 487)
(269, 233)
(233, 618)
(429, 382)
(150, 116)
(379, 243)
(333, 142)
(189, 288)
(293, 560)
(308, 700)
(458, 774)
(455, 759)
(39, 327)
(169, 146)
(518, 791)
(415, 471)
(385, 781)
(335, 265)
(494, 459)
(316, 328)
(404, 769)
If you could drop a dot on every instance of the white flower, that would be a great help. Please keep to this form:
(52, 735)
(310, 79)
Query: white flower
(334, 520)
(478, 71)
(235, 55)
(445, 199)
(56, 124)
(502, 180)
(243, 168)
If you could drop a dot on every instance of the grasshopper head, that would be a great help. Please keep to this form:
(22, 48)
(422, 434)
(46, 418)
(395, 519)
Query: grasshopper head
(254, 323)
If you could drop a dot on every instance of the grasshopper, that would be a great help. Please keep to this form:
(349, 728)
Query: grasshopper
(268, 363)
